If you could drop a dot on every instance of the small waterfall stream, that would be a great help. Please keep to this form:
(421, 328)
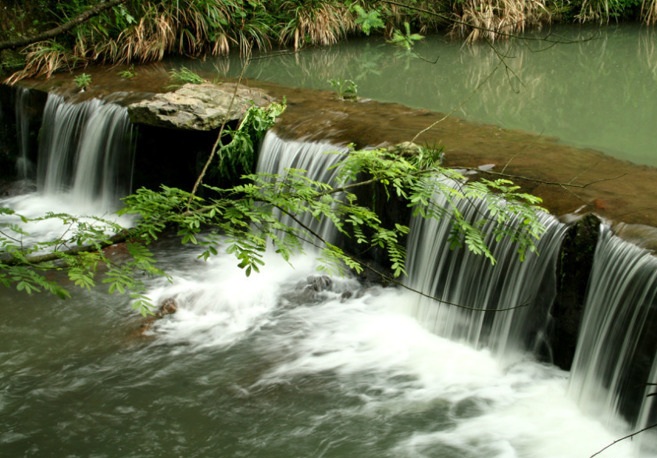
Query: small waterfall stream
(316, 158)
(24, 166)
(86, 150)
(617, 343)
(457, 276)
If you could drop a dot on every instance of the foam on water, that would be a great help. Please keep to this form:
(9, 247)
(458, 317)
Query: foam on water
(37, 205)
(218, 304)
(368, 347)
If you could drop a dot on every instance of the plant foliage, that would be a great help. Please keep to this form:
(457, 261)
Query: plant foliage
(183, 75)
(405, 39)
(345, 88)
(82, 81)
(148, 30)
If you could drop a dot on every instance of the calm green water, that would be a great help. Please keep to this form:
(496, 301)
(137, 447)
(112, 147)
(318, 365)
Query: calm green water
(597, 88)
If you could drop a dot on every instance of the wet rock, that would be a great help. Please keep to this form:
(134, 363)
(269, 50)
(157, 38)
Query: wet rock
(310, 290)
(16, 188)
(167, 307)
(316, 289)
(319, 282)
(573, 271)
(201, 107)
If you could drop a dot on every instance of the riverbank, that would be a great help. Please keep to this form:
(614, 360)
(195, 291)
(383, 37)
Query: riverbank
(54, 36)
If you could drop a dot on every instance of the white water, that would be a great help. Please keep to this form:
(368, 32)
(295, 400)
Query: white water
(86, 151)
(85, 166)
(457, 276)
(35, 205)
(619, 311)
(315, 158)
(380, 365)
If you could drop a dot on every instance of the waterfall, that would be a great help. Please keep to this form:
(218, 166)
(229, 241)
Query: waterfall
(615, 355)
(457, 276)
(24, 167)
(86, 150)
(277, 156)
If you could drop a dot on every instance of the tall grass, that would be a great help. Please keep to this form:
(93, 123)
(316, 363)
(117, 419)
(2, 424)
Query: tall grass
(43, 59)
(595, 11)
(315, 23)
(148, 30)
(494, 19)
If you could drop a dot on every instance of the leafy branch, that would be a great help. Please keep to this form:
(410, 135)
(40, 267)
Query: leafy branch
(77, 253)
(248, 214)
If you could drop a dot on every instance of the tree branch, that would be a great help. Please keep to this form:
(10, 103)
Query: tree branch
(77, 20)
(218, 144)
(7, 259)
(629, 436)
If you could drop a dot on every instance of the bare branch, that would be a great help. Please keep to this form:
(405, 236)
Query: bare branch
(77, 20)
(218, 143)
(7, 259)
(629, 436)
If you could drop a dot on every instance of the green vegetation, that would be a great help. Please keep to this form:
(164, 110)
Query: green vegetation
(82, 81)
(128, 73)
(405, 39)
(346, 89)
(134, 31)
(183, 75)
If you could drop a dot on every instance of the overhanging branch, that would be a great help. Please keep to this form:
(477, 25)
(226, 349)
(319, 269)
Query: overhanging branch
(9, 260)
(77, 20)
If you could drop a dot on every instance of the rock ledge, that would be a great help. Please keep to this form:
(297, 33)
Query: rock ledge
(197, 106)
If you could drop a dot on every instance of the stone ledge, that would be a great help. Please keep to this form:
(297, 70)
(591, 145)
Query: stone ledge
(202, 107)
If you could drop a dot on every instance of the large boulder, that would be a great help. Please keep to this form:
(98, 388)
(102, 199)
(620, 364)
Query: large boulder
(197, 106)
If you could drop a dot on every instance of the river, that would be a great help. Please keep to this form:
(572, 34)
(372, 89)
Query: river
(273, 366)
(586, 86)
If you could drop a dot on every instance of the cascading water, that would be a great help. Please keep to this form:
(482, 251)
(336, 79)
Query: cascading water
(86, 150)
(24, 166)
(615, 357)
(265, 366)
(523, 290)
(316, 158)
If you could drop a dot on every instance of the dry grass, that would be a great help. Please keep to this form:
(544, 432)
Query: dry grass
(494, 19)
(43, 59)
(317, 24)
(150, 40)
